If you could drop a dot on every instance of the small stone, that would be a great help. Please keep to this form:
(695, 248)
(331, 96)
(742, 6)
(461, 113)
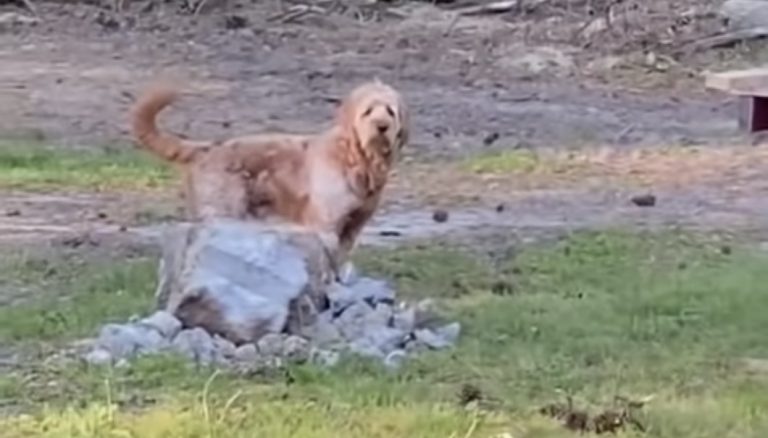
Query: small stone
(224, 347)
(440, 216)
(647, 200)
(381, 316)
(296, 349)
(500, 208)
(326, 358)
(431, 339)
(351, 323)
(414, 346)
(490, 138)
(98, 357)
(323, 332)
(364, 347)
(128, 340)
(405, 320)
(385, 339)
(363, 290)
(165, 323)
(247, 353)
(196, 344)
(271, 344)
(395, 359)
(13, 212)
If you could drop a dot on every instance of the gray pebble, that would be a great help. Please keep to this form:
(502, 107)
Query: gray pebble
(326, 358)
(431, 339)
(224, 347)
(246, 353)
(271, 345)
(98, 357)
(405, 320)
(197, 345)
(164, 322)
(364, 347)
(296, 349)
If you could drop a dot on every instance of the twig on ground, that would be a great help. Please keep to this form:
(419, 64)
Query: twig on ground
(30, 6)
(727, 39)
(489, 8)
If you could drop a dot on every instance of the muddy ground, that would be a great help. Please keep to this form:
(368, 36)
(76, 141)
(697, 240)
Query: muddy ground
(474, 84)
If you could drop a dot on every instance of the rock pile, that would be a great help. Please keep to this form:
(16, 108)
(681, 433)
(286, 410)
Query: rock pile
(247, 297)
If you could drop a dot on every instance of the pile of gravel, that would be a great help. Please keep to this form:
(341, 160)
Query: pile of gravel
(362, 318)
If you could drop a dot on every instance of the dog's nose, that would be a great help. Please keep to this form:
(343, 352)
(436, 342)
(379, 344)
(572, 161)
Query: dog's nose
(382, 126)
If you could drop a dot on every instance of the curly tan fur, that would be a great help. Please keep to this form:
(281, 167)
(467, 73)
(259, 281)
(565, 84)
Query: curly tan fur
(330, 182)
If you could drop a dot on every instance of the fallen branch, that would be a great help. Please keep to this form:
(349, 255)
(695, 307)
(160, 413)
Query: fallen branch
(29, 6)
(727, 39)
(489, 8)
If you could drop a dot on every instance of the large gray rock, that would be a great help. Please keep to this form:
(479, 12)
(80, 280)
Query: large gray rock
(745, 14)
(242, 280)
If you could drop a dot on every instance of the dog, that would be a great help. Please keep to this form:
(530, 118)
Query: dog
(330, 182)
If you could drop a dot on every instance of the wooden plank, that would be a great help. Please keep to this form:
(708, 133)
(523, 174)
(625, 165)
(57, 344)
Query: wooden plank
(752, 82)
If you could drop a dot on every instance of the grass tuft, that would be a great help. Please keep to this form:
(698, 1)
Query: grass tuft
(30, 166)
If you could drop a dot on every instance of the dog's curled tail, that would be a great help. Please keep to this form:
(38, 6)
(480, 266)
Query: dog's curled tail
(167, 146)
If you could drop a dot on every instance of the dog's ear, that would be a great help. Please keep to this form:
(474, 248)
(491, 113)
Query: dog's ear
(346, 120)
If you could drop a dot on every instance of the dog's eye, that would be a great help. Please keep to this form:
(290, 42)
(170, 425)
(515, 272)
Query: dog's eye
(367, 112)
(390, 111)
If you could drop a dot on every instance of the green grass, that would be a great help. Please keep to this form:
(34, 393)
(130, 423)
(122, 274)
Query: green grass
(507, 161)
(74, 297)
(30, 166)
(595, 315)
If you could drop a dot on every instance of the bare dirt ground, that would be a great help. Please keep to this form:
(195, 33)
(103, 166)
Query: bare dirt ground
(475, 84)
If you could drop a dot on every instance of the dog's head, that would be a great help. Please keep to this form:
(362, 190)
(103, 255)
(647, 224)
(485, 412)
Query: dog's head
(375, 117)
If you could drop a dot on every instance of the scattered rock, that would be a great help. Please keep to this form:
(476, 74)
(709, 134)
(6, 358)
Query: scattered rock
(224, 347)
(123, 341)
(247, 353)
(296, 349)
(197, 345)
(163, 322)
(490, 138)
(405, 320)
(326, 358)
(12, 213)
(98, 357)
(366, 290)
(443, 337)
(271, 345)
(647, 200)
(500, 208)
(440, 216)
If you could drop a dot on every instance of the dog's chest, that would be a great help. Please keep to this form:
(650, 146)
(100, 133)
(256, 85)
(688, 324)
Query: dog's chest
(330, 194)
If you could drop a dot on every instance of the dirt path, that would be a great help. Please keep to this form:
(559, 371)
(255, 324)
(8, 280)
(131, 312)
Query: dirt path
(70, 80)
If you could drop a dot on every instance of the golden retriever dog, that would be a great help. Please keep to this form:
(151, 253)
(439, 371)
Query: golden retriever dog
(330, 182)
